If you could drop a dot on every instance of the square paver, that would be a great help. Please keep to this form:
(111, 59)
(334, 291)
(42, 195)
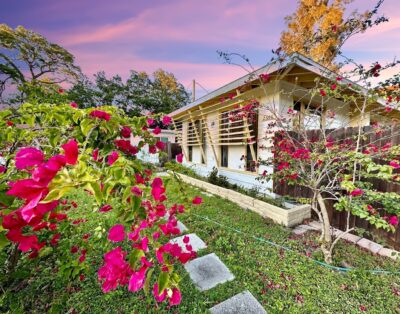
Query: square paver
(194, 241)
(242, 303)
(369, 245)
(208, 271)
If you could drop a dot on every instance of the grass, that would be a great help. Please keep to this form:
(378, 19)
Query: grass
(283, 282)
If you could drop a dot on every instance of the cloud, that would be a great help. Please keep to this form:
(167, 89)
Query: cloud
(212, 22)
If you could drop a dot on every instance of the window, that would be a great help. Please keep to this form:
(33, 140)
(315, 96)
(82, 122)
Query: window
(309, 116)
(191, 139)
(190, 152)
(224, 156)
(204, 145)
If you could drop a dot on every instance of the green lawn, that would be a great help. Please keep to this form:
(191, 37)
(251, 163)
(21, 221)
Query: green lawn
(283, 282)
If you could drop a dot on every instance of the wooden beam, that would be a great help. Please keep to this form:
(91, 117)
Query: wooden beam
(182, 146)
(208, 133)
(198, 138)
(246, 125)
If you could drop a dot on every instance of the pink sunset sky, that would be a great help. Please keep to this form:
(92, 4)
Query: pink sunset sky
(182, 36)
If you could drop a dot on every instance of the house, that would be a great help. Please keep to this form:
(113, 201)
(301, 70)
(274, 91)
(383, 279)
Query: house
(166, 136)
(212, 135)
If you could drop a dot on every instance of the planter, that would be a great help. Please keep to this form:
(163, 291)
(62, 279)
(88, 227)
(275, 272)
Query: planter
(287, 217)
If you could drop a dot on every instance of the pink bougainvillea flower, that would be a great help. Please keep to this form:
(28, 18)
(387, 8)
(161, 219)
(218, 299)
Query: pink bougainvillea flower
(95, 154)
(394, 164)
(74, 249)
(28, 157)
(186, 239)
(137, 280)
(2, 169)
(112, 158)
(265, 77)
(394, 220)
(100, 115)
(166, 120)
(126, 131)
(54, 240)
(176, 297)
(115, 271)
(160, 145)
(322, 92)
(152, 149)
(143, 245)
(116, 233)
(157, 189)
(71, 152)
(105, 208)
(333, 86)
(156, 130)
(48, 170)
(73, 105)
(139, 178)
(28, 189)
(179, 158)
(197, 200)
(82, 258)
(137, 191)
(159, 295)
(357, 192)
(150, 122)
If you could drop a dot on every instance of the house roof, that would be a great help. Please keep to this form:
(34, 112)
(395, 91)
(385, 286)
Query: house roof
(295, 59)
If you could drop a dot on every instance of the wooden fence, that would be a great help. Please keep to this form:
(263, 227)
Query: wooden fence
(339, 219)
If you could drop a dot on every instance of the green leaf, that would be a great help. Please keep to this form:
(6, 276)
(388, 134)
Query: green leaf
(3, 241)
(94, 187)
(134, 257)
(45, 251)
(146, 287)
(56, 194)
(163, 280)
(86, 126)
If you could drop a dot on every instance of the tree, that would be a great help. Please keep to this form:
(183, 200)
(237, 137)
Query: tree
(319, 28)
(140, 93)
(28, 59)
(167, 94)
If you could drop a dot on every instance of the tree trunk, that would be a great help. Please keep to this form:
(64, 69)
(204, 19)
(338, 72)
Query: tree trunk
(326, 230)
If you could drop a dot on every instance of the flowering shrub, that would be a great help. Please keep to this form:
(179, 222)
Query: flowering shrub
(337, 165)
(50, 151)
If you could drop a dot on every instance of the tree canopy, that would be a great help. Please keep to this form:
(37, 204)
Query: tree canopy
(319, 28)
(140, 92)
(27, 58)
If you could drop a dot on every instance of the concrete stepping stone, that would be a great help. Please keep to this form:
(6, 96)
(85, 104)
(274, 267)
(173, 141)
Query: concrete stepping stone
(242, 303)
(196, 243)
(182, 228)
(208, 271)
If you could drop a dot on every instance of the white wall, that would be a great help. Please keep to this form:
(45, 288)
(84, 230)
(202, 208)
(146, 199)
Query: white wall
(234, 155)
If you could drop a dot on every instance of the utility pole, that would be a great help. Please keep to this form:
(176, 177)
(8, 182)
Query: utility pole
(194, 91)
